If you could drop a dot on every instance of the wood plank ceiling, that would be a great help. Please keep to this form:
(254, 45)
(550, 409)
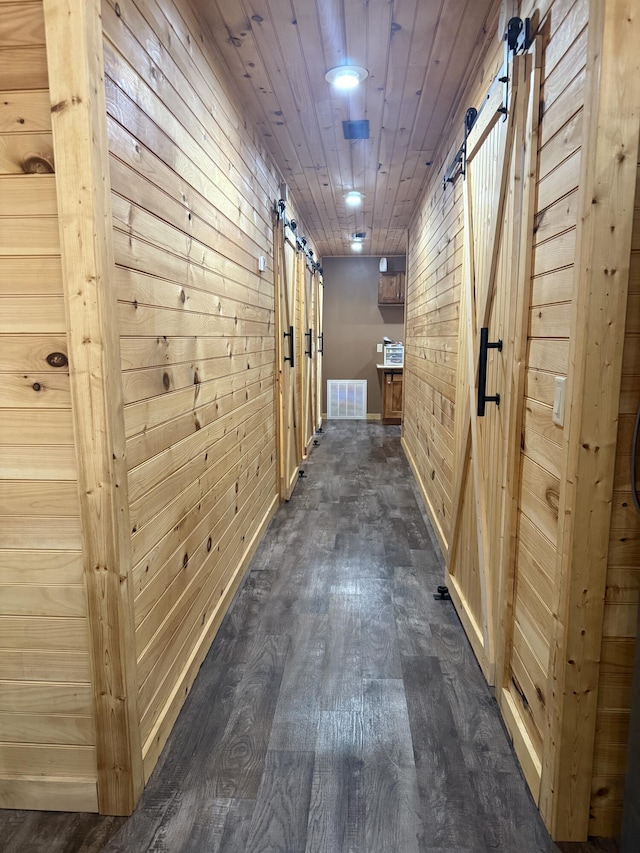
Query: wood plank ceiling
(417, 53)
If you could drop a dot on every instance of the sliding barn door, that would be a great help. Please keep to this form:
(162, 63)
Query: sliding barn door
(488, 393)
(319, 295)
(288, 355)
(307, 335)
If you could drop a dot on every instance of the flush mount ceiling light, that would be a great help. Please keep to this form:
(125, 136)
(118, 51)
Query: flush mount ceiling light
(356, 246)
(353, 198)
(346, 77)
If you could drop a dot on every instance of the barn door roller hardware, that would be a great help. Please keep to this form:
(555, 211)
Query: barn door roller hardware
(280, 211)
(290, 357)
(485, 346)
(309, 351)
(458, 164)
(518, 38)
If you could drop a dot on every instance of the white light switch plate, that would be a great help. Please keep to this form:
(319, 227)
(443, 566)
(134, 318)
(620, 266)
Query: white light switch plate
(379, 347)
(558, 400)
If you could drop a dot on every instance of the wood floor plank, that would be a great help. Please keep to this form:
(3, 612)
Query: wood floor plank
(336, 813)
(392, 803)
(237, 759)
(282, 806)
(448, 806)
(295, 721)
(342, 676)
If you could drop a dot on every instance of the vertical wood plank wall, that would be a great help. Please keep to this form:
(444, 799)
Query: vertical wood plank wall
(47, 731)
(431, 364)
(192, 205)
(623, 584)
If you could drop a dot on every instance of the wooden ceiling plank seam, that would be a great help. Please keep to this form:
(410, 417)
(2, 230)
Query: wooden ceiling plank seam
(442, 152)
(185, 31)
(425, 22)
(186, 63)
(110, 20)
(380, 20)
(328, 116)
(275, 137)
(448, 90)
(445, 48)
(219, 92)
(291, 46)
(272, 47)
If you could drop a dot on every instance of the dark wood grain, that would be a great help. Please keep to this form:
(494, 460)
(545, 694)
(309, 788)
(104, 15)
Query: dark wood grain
(282, 806)
(336, 815)
(392, 804)
(236, 761)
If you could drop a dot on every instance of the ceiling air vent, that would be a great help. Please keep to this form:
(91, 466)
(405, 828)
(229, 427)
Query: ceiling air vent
(356, 129)
(359, 235)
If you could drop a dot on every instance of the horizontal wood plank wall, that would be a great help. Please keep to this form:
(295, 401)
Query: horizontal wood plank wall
(193, 194)
(47, 727)
(623, 584)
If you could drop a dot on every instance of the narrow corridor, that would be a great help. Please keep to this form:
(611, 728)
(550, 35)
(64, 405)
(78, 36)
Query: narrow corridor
(340, 707)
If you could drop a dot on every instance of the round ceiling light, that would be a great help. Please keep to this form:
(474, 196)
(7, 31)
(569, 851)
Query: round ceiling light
(356, 247)
(353, 198)
(346, 77)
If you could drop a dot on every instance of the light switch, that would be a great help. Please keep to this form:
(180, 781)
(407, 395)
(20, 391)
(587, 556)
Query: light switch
(262, 263)
(558, 400)
(379, 347)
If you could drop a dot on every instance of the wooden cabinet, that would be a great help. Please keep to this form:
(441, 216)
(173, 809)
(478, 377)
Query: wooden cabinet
(391, 288)
(391, 395)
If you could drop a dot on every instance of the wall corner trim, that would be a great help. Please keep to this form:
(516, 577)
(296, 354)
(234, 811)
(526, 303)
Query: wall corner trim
(605, 220)
(76, 79)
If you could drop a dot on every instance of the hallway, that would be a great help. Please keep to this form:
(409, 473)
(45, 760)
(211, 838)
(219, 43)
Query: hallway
(340, 707)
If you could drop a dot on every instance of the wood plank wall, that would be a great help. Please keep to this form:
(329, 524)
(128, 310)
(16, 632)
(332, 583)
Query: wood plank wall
(47, 731)
(623, 584)
(432, 311)
(192, 205)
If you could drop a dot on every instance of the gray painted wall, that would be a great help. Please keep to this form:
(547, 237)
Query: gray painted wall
(354, 322)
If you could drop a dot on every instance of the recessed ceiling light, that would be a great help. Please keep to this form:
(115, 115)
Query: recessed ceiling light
(353, 198)
(346, 77)
(356, 247)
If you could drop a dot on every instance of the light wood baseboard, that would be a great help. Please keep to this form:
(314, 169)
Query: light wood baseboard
(49, 793)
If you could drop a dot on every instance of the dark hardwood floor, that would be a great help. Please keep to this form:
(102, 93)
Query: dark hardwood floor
(340, 708)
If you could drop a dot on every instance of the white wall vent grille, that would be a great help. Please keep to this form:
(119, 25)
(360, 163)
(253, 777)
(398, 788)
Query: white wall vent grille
(347, 398)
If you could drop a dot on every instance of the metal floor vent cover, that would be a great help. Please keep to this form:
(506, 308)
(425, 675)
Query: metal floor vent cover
(347, 399)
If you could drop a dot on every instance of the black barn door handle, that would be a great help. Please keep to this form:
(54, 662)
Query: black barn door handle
(309, 335)
(485, 346)
(290, 357)
(321, 339)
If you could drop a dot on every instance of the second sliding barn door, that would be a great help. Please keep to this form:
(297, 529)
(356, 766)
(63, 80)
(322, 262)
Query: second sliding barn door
(497, 222)
(288, 356)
